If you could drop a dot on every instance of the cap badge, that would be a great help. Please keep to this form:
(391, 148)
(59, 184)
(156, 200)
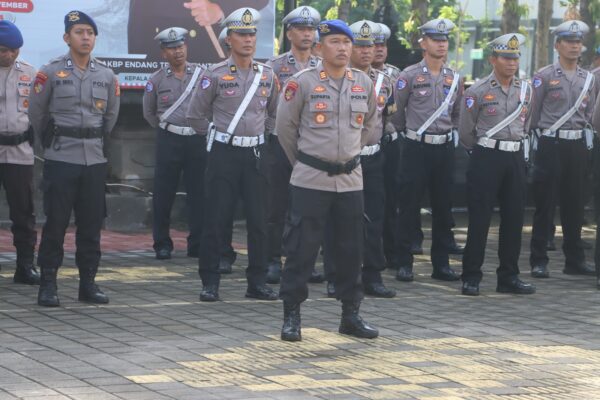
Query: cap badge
(305, 13)
(172, 34)
(574, 27)
(441, 27)
(324, 28)
(247, 17)
(513, 43)
(365, 30)
(73, 16)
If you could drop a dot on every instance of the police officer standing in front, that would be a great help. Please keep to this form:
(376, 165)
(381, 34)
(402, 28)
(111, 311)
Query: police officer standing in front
(301, 24)
(428, 100)
(562, 106)
(328, 114)
(73, 108)
(239, 96)
(179, 149)
(494, 119)
(16, 152)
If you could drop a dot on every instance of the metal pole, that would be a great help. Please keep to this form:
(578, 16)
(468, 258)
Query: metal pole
(288, 6)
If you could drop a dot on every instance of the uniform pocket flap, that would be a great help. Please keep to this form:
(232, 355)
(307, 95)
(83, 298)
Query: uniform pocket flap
(100, 93)
(359, 107)
(64, 91)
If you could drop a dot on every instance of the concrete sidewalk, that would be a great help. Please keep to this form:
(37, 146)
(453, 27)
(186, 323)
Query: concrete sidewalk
(155, 340)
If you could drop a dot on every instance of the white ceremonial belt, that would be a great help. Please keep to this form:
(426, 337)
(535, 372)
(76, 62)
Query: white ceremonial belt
(178, 130)
(239, 141)
(564, 134)
(370, 150)
(429, 138)
(504, 145)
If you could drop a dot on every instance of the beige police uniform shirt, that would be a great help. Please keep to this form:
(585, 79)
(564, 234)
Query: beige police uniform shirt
(15, 86)
(486, 104)
(554, 93)
(419, 94)
(162, 90)
(286, 65)
(221, 90)
(75, 99)
(385, 107)
(326, 121)
(596, 72)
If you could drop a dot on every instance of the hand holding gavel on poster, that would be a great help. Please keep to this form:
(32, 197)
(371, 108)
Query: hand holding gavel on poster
(206, 14)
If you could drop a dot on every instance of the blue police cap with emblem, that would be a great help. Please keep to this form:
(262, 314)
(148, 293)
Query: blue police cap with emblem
(172, 37)
(302, 16)
(571, 30)
(383, 35)
(508, 46)
(10, 35)
(334, 27)
(364, 32)
(79, 17)
(437, 29)
(242, 20)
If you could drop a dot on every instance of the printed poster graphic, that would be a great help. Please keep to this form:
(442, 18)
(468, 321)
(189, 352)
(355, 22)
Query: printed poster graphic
(127, 29)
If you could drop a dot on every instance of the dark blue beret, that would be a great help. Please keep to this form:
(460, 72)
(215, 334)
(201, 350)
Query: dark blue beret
(78, 17)
(335, 27)
(10, 35)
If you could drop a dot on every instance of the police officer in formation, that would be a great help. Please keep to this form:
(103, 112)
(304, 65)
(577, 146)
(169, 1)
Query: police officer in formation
(330, 112)
(179, 149)
(371, 160)
(562, 106)
(428, 101)
(301, 24)
(239, 97)
(16, 152)
(494, 121)
(73, 108)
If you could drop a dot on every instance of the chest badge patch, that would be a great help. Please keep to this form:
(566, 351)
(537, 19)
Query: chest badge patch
(320, 118)
(357, 89)
(420, 78)
(62, 74)
(321, 106)
(319, 89)
(489, 97)
(554, 82)
(360, 118)
(228, 77)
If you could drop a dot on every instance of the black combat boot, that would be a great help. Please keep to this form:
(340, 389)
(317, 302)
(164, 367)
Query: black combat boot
(290, 331)
(274, 271)
(26, 272)
(353, 324)
(47, 295)
(89, 292)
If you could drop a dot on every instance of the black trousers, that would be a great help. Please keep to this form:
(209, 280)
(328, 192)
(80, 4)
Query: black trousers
(18, 183)
(425, 167)
(232, 172)
(391, 166)
(280, 172)
(559, 176)
(303, 234)
(177, 155)
(70, 187)
(596, 199)
(374, 203)
(494, 176)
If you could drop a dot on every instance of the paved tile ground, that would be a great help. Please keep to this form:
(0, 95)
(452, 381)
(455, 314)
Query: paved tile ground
(156, 341)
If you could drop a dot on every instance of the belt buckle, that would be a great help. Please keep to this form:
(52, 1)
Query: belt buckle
(337, 169)
(436, 139)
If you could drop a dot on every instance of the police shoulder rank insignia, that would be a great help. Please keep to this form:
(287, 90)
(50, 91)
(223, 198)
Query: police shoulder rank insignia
(469, 102)
(290, 90)
(205, 83)
(149, 87)
(537, 82)
(402, 83)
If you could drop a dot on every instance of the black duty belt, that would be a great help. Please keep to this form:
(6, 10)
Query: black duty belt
(329, 167)
(14, 140)
(78, 133)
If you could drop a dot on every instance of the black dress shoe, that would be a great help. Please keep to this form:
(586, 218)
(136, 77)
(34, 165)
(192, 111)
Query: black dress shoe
(261, 292)
(405, 274)
(379, 290)
(316, 277)
(163, 254)
(456, 249)
(91, 293)
(291, 331)
(26, 274)
(331, 289)
(445, 273)
(353, 324)
(416, 249)
(550, 246)
(515, 285)
(225, 266)
(584, 245)
(274, 272)
(581, 269)
(209, 293)
(470, 289)
(540, 271)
